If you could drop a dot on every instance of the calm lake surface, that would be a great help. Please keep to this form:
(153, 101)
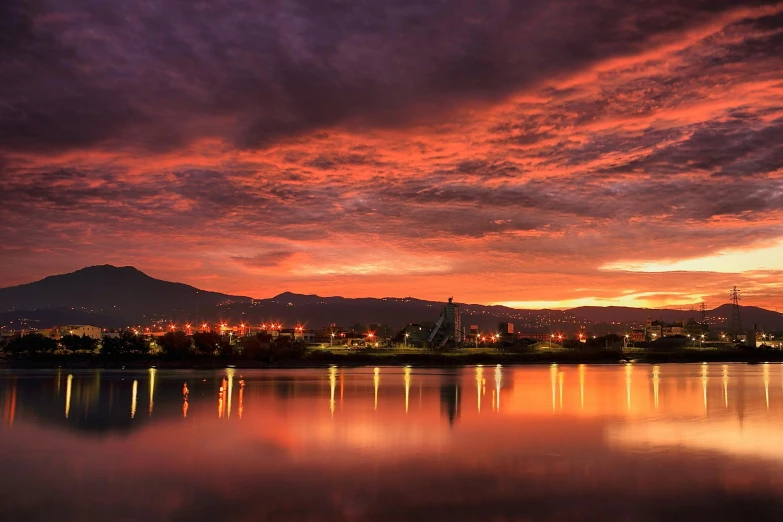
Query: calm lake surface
(636, 442)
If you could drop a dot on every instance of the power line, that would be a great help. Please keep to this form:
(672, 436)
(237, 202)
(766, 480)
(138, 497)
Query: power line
(736, 323)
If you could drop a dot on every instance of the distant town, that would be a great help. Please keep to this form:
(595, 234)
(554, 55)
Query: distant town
(447, 332)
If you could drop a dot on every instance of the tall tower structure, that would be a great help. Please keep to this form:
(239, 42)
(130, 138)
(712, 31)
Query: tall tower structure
(449, 326)
(703, 311)
(736, 323)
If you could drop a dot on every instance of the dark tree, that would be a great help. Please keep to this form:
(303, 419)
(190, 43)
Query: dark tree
(256, 347)
(74, 343)
(31, 344)
(112, 347)
(207, 343)
(175, 345)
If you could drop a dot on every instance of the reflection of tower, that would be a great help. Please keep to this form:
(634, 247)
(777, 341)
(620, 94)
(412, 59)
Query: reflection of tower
(741, 398)
(450, 398)
(736, 324)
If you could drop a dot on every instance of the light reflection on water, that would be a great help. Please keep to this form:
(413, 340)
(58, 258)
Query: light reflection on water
(560, 442)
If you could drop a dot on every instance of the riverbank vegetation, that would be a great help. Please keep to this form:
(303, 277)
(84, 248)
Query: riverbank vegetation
(211, 350)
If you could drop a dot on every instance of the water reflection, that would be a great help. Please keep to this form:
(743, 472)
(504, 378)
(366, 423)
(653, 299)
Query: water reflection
(479, 385)
(332, 385)
(498, 385)
(652, 435)
(152, 387)
(230, 372)
(450, 395)
(726, 386)
(68, 388)
(656, 380)
(704, 380)
(766, 383)
(377, 382)
(133, 398)
(407, 382)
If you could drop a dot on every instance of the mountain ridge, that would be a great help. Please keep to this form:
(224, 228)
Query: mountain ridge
(127, 295)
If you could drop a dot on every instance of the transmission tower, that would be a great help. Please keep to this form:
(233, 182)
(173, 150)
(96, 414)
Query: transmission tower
(703, 310)
(736, 324)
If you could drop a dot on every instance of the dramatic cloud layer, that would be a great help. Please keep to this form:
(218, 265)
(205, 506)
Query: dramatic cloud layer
(544, 153)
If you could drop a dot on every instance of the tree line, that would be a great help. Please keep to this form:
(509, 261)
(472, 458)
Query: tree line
(172, 345)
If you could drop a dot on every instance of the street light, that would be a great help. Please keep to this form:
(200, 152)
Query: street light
(406, 339)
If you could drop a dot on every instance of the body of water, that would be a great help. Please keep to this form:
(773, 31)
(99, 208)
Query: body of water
(635, 442)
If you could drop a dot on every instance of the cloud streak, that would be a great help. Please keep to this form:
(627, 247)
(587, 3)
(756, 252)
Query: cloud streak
(485, 149)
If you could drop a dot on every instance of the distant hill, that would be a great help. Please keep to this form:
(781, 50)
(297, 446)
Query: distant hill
(118, 292)
(750, 315)
(317, 311)
(109, 296)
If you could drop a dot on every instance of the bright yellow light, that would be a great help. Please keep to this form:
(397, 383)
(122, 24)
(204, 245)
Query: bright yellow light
(221, 398)
(152, 387)
(561, 377)
(241, 397)
(407, 381)
(726, 386)
(498, 384)
(479, 382)
(656, 384)
(377, 381)
(230, 373)
(68, 386)
(332, 386)
(134, 395)
(766, 383)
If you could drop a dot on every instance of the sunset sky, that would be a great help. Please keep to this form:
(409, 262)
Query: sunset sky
(543, 153)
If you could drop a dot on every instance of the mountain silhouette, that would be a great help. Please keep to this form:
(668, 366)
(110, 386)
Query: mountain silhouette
(106, 290)
(110, 296)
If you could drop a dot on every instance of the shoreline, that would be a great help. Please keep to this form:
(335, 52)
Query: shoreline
(363, 359)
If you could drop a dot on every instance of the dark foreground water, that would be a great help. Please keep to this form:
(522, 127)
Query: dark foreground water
(636, 443)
